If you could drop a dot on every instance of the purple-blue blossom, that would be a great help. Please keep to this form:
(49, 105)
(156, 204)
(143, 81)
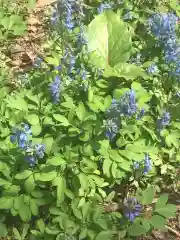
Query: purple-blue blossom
(103, 7)
(140, 114)
(81, 38)
(164, 120)
(20, 136)
(163, 25)
(55, 88)
(128, 103)
(31, 160)
(37, 62)
(153, 69)
(112, 128)
(147, 164)
(54, 17)
(39, 150)
(31, 151)
(132, 208)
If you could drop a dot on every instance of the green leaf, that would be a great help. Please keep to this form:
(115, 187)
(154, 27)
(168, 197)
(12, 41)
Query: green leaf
(110, 45)
(136, 229)
(48, 121)
(36, 130)
(32, 119)
(13, 190)
(25, 231)
(48, 142)
(60, 118)
(17, 103)
(36, 233)
(16, 234)
(25, 213)
(162, 200)
(110, 196)
(56, 160)
(104, 235)
(81, 111)
(46, 177)
(3, 230)
(41, 225)
(83, 180)
(158, 222)
(147, 196)
(60, 190)
(168, 210)
(18, 202)
(23, 175)
(29, 184)
(4, 182)
(83, 233)
(31, 4)
(6, 202)
(33, 207)
(124, 70)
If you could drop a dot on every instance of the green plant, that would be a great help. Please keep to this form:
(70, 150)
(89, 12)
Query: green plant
(86, 143)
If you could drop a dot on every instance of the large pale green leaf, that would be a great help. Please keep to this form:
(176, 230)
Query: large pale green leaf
(109, 40)
(125, 70)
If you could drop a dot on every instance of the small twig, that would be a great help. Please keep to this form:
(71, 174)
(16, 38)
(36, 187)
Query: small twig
(173, 231)
(154, 235)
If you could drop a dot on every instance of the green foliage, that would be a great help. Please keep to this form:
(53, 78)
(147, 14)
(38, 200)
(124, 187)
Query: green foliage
(94, 163)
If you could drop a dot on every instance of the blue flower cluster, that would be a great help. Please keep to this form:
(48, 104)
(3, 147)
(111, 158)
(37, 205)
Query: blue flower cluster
(163, 27)
(32, 151)
(112, 128)
(164, 120)
(128, 104)
(55, 88)
(153, 69)
(145, 165)
(103, 6)
(20, 136)
(132, 208)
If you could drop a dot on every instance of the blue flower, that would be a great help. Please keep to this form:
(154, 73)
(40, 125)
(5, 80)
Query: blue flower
(55, 88)
(153, 69)
(164, 120)
(147, 164)
(128, 103)
(31, 160)
(39, 150)
(171, 50)
(37, 62)
(72, 61)
(137, 165)
(81, 39)
(112, 128)
(163, 25)
(69, 20)
(128, 16)
(131, 208)
(20, 136)
(54, 17)
(140, 114)
(103, 6)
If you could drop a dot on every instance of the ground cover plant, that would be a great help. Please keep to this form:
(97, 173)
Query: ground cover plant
(89, 144)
